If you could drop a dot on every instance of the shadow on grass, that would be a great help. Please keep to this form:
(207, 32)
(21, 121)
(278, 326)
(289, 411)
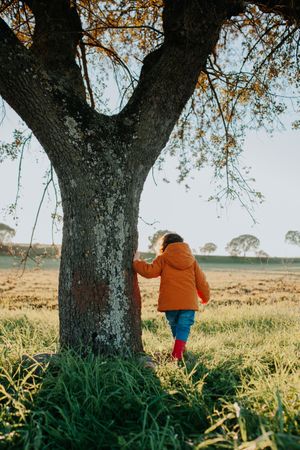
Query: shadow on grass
(96, 403)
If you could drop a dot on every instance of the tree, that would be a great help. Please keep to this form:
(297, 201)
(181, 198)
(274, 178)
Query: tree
(102, 160)
(262, 254)
(155, 238)
(242, 244)
(208, 248)
(6, 233)
(293, 237)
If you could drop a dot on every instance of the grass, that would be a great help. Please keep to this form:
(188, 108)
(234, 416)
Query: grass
(239, 387)
(210, 262)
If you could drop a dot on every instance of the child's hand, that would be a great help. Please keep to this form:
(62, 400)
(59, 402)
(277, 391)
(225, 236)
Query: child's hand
(136, 256)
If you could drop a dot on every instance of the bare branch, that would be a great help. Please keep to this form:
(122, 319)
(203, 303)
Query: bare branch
(86, 73)
(148, 223)
(54, 215)
(112, 54)
(27, 253)
(262, 63)
(3, 112)
(26, 142)
(126, 27)
(225, 125)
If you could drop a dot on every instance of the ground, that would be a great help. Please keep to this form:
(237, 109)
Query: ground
(239, 387)
(37, 288)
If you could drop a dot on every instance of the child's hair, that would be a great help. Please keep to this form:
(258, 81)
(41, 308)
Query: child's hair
(169, 238)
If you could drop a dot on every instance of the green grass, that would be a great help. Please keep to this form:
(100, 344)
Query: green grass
(210, 262)
(239, 387)
(250, 263)
(14, 262)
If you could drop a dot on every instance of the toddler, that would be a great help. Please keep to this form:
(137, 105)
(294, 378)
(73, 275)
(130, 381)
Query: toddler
(181, 282)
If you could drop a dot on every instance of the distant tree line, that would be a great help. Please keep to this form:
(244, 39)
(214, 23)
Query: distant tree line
(33, 251)
(6, 233)
(293, 237)
(238, 246)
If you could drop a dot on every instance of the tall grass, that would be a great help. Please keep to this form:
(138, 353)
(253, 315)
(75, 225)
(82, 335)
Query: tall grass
(239, 387)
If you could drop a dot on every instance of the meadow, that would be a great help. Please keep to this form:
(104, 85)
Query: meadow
(238, 388)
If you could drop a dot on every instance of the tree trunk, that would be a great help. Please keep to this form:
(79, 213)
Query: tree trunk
(99, 300)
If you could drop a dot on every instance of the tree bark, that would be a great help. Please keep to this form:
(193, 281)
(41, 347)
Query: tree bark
(99, 301)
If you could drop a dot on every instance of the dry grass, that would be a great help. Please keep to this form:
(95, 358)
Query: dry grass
(37, 289)
(236, 289)
(34, 289)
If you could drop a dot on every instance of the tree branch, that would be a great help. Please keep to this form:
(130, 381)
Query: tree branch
(169, 74)
(288, 9)
(56, 36)
(18, 74)
(42, 103)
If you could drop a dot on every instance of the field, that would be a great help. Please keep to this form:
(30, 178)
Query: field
(239, 387)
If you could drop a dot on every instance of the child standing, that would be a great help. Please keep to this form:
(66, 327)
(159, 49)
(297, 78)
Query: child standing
(181, 281)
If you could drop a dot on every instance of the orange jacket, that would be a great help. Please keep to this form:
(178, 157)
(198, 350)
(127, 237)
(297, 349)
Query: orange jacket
(181, 278)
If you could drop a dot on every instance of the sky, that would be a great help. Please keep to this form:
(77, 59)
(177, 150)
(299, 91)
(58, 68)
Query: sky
(275, 163)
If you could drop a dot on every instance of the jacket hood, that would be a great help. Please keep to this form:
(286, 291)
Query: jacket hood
(179, 255)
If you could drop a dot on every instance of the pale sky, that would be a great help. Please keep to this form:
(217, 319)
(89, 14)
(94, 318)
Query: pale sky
(275, 165)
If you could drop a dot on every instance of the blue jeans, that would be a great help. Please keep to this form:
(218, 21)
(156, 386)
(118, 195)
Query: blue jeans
(181, 322)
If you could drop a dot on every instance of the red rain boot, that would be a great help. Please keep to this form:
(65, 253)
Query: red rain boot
(178, 349)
